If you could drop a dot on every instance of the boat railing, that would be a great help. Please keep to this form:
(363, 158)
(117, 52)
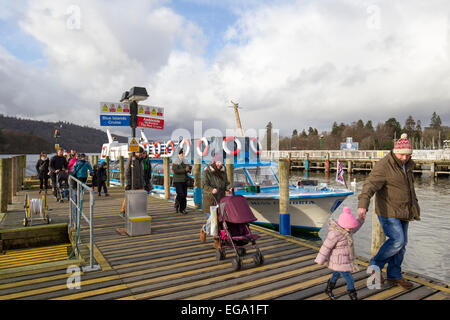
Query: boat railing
(441, 154)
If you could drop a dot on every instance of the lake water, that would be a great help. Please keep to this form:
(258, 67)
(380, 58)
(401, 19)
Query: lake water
(428, 246)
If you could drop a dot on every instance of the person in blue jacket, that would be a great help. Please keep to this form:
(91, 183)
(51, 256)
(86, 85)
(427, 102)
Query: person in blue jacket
(81, 168)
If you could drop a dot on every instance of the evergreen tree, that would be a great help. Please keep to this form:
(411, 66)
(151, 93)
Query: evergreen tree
(435, 121)
(394, 127)
(369, 125)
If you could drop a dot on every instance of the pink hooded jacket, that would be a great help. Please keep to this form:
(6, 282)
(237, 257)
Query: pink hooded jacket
(337, 250)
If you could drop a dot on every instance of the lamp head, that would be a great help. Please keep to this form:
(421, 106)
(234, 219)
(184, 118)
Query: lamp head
(137, 94)
(125, 97)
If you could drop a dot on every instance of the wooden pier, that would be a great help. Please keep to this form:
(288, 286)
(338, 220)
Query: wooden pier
(429, 162)
(172, 263)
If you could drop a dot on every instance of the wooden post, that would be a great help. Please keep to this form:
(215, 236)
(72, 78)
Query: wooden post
(378, 236)
(349, 167)
(198, 192)
(166, 166)
(107, 171)
(433, 169)
(12, 180)
(122, 171)
(229, 167)
(284, 216)
(4, 184)
(96, 159)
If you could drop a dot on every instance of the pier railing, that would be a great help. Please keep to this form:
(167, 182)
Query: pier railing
(77, 211)
(351, 154)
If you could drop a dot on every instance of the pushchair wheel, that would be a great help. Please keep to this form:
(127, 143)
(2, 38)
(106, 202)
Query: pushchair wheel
(237, 263)
(242, 252)
(25, 222)
(220, 254)
(258, 258)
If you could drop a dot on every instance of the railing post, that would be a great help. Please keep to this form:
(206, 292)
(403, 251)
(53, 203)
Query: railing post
(378, 236)
(4, 184)
(229, 167)
(107, 171)
(122, 171)
(166, 166)
(284, 217)
(197, 184)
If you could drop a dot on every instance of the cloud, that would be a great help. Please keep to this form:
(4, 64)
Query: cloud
(295, 63)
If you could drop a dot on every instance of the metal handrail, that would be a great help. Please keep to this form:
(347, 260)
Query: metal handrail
(80, 188)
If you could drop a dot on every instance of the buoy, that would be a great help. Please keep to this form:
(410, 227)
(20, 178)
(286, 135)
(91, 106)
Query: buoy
(227, 150)
(253, 146)
(156, 154)
(169, 154)
(205, 151)
(188, 146)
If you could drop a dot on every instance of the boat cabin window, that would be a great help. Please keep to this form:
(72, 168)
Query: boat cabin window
(262, 176)
(240, 178)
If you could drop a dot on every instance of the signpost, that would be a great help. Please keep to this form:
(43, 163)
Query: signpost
(118, 114)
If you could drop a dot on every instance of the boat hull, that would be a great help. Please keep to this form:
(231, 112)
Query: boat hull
(308, 214)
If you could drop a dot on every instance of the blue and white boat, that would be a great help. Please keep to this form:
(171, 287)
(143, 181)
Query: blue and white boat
(310, 206)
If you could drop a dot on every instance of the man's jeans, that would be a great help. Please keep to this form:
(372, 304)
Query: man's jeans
(393, 250)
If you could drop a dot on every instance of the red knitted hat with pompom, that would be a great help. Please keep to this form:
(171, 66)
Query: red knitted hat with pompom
(403, 145)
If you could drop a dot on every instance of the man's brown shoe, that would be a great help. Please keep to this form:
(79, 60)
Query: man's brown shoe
(402, 283)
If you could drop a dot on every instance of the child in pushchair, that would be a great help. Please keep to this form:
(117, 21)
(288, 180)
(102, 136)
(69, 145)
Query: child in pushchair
(62, 186)
(233, 218)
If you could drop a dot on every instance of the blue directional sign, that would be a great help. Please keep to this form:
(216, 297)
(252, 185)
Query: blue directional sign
(114, 120)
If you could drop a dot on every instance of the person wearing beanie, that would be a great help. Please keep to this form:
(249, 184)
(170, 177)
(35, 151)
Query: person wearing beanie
(338, 253)
(396, 204)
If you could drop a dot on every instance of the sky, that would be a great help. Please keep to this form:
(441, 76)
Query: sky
(295, 63)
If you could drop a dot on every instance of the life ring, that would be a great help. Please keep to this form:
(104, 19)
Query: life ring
(188, 146)
(167, 148)
(156, 155)
(253, 146)
(228, 151)
(205, 151)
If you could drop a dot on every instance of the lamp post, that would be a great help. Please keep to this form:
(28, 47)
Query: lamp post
(133, 96)
(321, 139)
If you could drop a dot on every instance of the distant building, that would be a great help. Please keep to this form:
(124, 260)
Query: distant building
(349, 144)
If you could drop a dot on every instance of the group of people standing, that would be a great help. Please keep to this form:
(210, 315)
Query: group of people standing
(75, 164)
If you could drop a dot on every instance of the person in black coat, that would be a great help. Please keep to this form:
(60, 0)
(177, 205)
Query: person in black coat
(42, 167)
(102, 176)
(57, 163)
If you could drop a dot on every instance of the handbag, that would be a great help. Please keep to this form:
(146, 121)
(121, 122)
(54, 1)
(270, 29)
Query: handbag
(211, 223)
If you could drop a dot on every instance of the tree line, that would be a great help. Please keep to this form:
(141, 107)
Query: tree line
(369, 136)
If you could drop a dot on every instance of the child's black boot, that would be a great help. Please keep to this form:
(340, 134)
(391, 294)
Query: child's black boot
(352, 294)
(329, 289)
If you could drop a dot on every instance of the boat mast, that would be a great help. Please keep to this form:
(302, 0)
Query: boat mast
(238, 120)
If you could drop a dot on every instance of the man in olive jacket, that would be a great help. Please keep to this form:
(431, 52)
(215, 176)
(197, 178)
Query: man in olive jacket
(396, 204)
(180, 177)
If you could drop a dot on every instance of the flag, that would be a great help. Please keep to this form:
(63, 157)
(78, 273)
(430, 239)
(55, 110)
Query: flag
(340, 174)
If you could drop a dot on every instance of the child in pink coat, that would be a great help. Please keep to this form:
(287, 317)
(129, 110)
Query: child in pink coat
(338, 252)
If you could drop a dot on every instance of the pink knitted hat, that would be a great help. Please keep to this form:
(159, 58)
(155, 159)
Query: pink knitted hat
(403, 145)
(347, 220)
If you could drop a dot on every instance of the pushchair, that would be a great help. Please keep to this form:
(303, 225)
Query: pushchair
(233, 218)
(62, 186)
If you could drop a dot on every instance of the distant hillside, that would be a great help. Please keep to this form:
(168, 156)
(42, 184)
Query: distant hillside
(31, 136)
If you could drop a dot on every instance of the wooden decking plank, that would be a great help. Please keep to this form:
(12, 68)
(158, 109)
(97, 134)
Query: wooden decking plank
(217, 289)
(165, 291)
(438, 296)
(388, 294)
(417, 294)
(317, 292)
